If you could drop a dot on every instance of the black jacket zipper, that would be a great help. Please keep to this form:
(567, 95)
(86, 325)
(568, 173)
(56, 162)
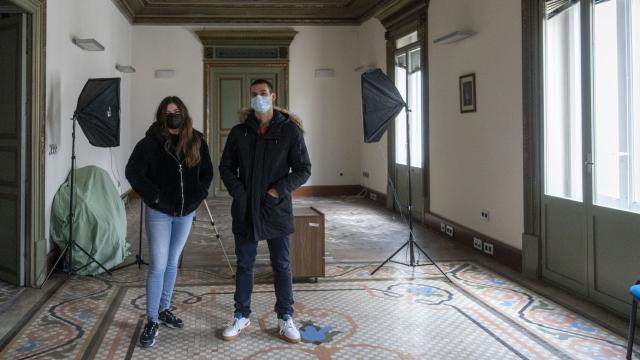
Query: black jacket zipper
(181, 179)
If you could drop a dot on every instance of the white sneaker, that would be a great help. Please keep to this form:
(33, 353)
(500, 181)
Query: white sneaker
(287, 330)
(235, 328)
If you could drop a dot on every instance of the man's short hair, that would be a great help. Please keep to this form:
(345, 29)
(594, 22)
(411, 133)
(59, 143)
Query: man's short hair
(263, 81)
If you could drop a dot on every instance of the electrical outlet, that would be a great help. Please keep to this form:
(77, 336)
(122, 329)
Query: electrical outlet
(443, 227)
(365, 174)
(488, 248)
(449, 230)
(485, 214)
(477, 243)
(373, 196)
(53, 148)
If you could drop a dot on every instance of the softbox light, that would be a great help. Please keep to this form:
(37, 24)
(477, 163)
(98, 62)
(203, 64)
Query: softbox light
(381, 103)
(98, 111)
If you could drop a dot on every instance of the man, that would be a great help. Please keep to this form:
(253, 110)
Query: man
(264, 160)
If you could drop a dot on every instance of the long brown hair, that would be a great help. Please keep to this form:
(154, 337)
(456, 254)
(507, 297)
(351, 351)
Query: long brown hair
(188, 142)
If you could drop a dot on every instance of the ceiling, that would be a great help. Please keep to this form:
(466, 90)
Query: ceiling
(342, 12)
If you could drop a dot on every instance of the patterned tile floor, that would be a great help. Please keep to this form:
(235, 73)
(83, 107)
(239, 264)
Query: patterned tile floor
(399, 313)
(8, 293)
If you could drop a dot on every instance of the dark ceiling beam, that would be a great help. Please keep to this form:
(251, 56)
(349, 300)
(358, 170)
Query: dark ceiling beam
(162, 20)
(311, 12)
(264, 4)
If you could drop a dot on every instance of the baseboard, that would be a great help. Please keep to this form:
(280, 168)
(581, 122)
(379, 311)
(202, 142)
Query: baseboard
(328, 190)
(502, 253)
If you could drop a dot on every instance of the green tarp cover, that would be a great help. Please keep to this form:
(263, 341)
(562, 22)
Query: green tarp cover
(100, 222)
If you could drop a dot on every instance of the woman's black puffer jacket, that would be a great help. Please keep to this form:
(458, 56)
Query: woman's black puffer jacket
(163, 180)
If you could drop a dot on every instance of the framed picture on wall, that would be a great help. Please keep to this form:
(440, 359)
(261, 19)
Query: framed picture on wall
(468, 93)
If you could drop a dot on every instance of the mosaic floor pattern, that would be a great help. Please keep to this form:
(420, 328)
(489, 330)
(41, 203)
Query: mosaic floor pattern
(400, 313)
(8, 293)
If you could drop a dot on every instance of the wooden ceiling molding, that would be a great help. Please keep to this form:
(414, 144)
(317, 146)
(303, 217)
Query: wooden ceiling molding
(320, 12)
(402, 15)
(265, 45)
(265, 37)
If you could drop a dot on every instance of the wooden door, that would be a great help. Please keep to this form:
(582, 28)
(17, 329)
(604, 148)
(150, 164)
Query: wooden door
(12, 133)
(228, 93)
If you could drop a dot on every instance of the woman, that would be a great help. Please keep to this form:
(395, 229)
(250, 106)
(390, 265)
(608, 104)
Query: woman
(171, 170)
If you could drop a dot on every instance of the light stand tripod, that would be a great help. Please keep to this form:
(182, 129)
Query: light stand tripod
(411, 243)
(68, 249)
(139, 260)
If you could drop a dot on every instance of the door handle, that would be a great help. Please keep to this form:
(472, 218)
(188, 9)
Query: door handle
(312, 224)
(590, 165)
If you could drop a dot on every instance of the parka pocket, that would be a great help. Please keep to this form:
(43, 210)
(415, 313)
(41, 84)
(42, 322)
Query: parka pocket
(274, 209)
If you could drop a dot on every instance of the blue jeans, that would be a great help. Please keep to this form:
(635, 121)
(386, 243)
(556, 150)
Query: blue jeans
(167, 236)
(246, 250)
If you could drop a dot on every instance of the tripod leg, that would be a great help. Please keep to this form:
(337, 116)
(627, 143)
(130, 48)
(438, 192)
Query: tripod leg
(389, 258)
(139, 260)
(120, 267)
(92, 258)
(431, 260)
(225, 254)
(62, 254)
(215, 229)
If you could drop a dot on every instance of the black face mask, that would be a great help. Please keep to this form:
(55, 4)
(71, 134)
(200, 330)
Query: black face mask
(174, 121)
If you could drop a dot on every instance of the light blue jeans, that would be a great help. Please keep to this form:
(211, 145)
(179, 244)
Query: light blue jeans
(167, 236)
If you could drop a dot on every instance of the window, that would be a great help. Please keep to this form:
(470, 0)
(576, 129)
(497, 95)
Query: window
(635, 95)
(616, 117)
(563, 108)
(407, 40)
(408, 75)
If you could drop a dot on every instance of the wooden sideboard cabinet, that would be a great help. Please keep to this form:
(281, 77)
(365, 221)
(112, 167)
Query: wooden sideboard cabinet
(307, 243)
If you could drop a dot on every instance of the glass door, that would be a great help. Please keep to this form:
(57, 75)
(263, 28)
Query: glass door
(564, 246)
(615, 213)
(591, 162)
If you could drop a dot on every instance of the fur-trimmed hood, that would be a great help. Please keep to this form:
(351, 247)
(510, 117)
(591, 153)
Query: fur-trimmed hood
(244, 114)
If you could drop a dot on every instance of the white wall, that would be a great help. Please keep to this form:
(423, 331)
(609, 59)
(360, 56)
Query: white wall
(373, 157)
(329, 107)
(476, 159)
(68, 68)
(165, 47)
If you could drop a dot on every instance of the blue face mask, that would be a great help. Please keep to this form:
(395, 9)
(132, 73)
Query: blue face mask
(261, 104)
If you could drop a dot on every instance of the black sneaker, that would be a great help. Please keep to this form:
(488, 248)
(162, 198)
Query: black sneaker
(148, 336)
(170, 320)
